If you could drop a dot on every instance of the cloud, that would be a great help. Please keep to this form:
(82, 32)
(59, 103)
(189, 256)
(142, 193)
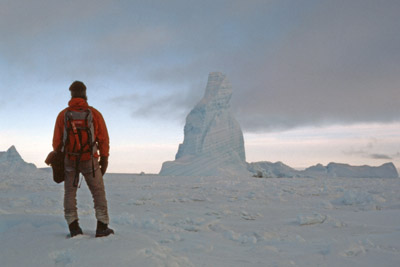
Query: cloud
(291, 64)
(372, 145)
(365, 150)
(163, 106)
(337, 66)
(380, 156)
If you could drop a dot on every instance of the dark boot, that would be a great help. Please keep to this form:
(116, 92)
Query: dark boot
(74, 229)
(103, 230)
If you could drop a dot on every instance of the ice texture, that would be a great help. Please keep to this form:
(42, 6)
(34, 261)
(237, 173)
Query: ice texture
(213, 140)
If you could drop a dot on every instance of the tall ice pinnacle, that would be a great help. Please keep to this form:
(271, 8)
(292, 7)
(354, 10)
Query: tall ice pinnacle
(213, 141)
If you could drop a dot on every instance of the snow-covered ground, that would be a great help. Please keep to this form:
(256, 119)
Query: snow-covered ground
(205, 221)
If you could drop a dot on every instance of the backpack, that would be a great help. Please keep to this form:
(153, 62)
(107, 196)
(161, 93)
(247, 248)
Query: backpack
(79, 141)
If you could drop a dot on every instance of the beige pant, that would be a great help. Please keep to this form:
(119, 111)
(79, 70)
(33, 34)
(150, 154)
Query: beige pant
(96, 187)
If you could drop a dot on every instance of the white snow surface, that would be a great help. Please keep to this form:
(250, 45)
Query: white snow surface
(205, 221)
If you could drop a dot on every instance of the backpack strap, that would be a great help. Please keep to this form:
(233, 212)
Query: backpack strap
(77, 135)
(66, 131)
(91, 138)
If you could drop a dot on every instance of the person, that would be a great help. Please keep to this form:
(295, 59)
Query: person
(83, 161)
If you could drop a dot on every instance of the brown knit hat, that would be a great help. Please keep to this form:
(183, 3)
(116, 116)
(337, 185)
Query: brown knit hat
(78, 89)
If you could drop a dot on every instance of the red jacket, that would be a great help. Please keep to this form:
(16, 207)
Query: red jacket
(100, 128)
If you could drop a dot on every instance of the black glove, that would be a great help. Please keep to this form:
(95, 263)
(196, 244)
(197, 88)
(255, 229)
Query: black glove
(103, 164)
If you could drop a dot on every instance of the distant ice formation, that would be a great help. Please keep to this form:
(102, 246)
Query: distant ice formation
(12, 162)
(387, 170)
(213, 140)
(332, 170)
(266, 169)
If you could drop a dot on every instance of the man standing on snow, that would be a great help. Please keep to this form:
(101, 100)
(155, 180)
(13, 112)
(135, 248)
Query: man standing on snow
(80, 132)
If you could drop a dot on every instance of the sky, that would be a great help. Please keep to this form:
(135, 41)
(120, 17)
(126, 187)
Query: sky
(313, 81)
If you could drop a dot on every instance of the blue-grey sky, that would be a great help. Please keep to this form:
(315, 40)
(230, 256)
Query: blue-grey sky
(293, 65)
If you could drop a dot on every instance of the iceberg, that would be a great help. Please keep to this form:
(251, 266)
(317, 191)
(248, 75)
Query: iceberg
(332, 170)
(268, 169)
(387, 170)
(12, 162)
(213, 140)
